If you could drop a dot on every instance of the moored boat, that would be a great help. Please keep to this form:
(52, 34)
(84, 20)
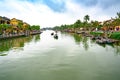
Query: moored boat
(105, 41)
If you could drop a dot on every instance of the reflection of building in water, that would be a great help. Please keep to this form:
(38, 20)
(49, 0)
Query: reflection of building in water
(86, 43)
(6, 45)
(37, 37)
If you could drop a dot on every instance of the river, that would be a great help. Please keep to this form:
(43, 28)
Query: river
(70, 57)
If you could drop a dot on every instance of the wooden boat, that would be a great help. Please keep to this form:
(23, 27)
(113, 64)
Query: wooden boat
(105, 41)
(100, 41)
(52, 33)
(95, 37)
(56, 36)
(109, 41)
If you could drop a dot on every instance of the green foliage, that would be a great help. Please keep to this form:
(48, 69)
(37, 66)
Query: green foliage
(35, 27)
(90, 25)
(1, 28)
(77, 24)
(3, 54)
(63, 27)
(96, 33)
(86, 18)
(116, 22)
(94, 24)
(20, 24)
(115, 35)
(4, 26)
(118, 14)
(77, 38)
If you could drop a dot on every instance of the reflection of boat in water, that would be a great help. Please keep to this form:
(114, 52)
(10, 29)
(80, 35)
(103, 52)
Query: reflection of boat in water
(56, 36)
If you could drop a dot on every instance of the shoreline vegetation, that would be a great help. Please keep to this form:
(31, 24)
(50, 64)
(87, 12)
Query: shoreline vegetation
(10, 28)
(109, 29)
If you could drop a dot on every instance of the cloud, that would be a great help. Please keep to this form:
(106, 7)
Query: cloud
(55, 5)
(49, 13)
(108, 3)
(87, 2)
(101, 3)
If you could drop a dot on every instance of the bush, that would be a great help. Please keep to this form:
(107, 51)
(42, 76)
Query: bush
(115, 35)
(96, 33)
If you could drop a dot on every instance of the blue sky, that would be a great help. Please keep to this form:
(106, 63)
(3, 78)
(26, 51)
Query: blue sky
(49, 13)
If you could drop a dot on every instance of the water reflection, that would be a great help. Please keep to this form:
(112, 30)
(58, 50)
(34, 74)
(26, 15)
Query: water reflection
(37, 38)
(115, 46)
(70, 57)
(86, 43)
(16, 43)
(79, 39)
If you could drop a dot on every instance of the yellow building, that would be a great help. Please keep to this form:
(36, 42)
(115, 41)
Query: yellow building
(14, 22)
(25, 25)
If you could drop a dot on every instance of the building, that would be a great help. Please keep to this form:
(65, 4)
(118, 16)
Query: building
(4, 20)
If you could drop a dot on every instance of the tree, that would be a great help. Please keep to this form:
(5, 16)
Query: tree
(6, 28)
(86, 18)
(77, 24)
(118, 14)
(85, 23)
(1, 29)
(35, 27)
(116, 22)
(20, 24)
(94, 24)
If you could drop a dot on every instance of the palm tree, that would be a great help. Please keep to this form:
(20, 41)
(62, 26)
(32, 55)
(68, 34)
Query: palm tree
(118, 14)
(86, 18)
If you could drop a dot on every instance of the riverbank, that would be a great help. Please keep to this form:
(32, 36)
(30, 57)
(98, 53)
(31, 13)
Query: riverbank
(27, 33)
(100, 37)
(112, 35)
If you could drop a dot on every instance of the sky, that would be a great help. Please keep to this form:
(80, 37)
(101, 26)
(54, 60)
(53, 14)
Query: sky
(50, 13)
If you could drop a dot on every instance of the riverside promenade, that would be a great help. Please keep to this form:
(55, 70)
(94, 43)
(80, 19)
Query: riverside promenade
(27, 33)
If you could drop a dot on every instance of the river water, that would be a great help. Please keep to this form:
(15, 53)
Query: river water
(70, 57)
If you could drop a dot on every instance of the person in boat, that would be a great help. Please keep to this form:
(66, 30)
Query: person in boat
(56, 36)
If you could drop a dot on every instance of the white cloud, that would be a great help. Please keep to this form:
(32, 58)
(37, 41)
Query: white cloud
(41, 14)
